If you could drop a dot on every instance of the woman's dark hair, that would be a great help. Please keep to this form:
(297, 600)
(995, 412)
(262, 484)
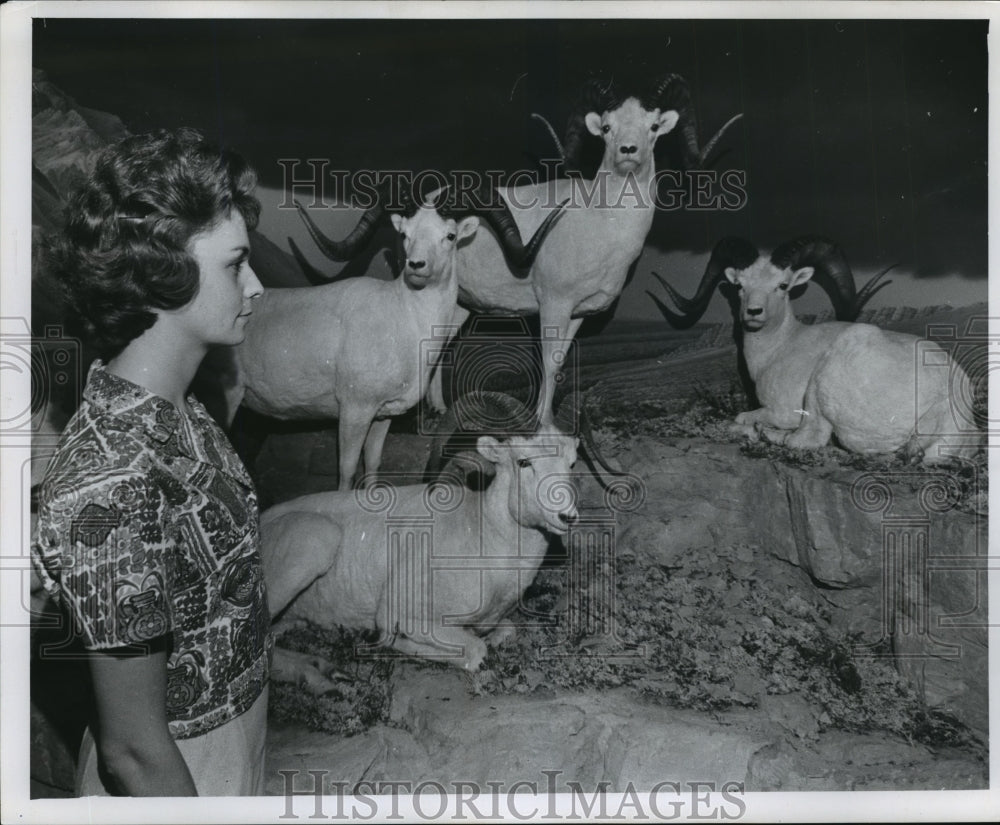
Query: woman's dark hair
(123, 251)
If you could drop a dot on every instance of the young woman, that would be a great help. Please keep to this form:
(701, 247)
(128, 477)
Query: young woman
(147, 531)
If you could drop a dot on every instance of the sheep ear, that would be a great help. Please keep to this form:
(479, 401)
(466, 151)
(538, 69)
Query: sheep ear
(593, 121)
(397, 221)
(800, 276)
(489, 448)
(466, 227)
(668, 120)
(730, 273)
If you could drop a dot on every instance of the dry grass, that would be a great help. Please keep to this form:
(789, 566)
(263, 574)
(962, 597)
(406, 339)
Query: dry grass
(712, 632)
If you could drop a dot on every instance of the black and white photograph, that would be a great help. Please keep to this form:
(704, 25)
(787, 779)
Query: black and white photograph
(493, 412)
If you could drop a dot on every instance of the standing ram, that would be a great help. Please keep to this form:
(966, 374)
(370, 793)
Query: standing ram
(434, 567)
(865, 386)
(351, 350)
(582, 267)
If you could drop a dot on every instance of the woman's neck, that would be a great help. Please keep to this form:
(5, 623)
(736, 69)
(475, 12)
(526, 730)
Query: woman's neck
(161, 363)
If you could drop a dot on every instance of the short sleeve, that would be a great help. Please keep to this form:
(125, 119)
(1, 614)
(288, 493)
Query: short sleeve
(101, 550)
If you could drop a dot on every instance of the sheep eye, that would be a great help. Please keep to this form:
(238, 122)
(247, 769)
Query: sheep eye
(782, 287)
(523, 462)
(605, 128)
(451, 236)
(656, 127)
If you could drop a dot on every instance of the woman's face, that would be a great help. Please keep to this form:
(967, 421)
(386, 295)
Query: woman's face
(219, 313)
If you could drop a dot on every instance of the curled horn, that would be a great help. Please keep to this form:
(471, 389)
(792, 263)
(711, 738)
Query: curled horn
(492, 208)
(673, 92)
(572, 418)
(361, 234)
(734, 252)
(481, 412)
(832, 272)
(552, 134)
(596, 95)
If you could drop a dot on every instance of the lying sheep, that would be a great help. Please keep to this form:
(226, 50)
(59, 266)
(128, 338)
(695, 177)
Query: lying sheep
(352, 350)
(454, 565)
(867, 387)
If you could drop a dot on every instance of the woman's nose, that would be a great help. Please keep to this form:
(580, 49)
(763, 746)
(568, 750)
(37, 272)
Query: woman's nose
(253, 287)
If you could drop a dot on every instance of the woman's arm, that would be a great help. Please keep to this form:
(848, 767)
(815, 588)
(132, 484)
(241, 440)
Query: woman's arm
(130, 686)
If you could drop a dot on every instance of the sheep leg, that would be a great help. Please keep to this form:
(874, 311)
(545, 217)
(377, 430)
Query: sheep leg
(810, 432)
(746, 423)
(351, 435)
(455, 645)
(764, 419)
(814, 432)
(499, 634)
(435, 390)
(311, 672)
(296, 549)
(558, 330)
(373, 448)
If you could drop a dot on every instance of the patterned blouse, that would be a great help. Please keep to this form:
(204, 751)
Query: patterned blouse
(148, 525)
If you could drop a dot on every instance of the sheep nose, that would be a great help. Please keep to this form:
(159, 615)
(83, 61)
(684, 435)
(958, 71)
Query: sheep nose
(416, 265)
(628, 150)
(755, 310)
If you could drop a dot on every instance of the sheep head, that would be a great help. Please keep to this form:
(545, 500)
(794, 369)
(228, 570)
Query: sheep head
(485, 204)
(535, 472)
(635, 113)
(764, 290)
(429, 240)
(738, 261)
(629, 133)
(500, 445)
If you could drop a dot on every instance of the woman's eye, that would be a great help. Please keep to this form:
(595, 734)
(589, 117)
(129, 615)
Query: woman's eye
(523, 462)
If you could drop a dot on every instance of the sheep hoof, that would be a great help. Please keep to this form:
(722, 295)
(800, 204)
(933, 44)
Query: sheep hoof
(774, 435)
(312, 673)
(475, 655)
(500, 634)
(747, 430)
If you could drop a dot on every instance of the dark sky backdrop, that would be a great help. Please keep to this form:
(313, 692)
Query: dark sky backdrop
(872, 132)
